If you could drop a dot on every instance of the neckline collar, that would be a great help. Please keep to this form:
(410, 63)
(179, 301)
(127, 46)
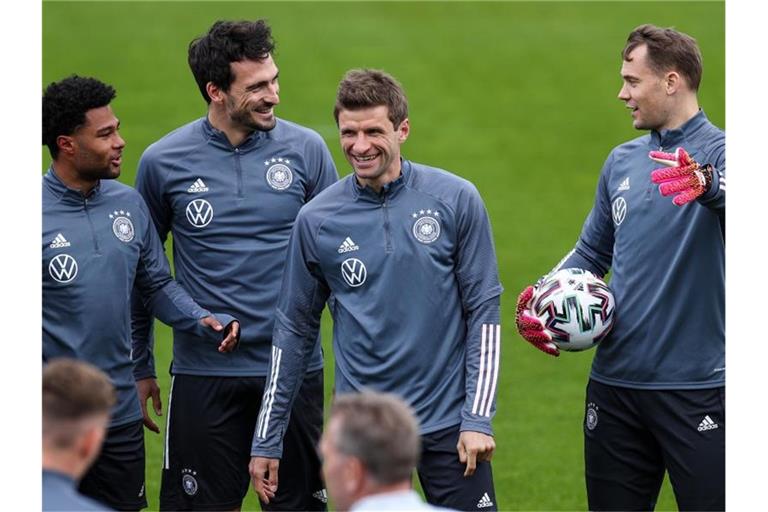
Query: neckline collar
(402, 500)
(58, 475)
(667, 138)
(60, 188)
(389, 190)
(219, 138)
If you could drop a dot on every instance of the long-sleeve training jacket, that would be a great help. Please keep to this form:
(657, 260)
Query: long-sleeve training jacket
(415, 301)
(230, 211)
(668, 265)
(95, 248)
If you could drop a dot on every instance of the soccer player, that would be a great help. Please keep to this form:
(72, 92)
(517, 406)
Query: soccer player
(228, 187)
(370, 449)
(656, 394)
(406, 251)
(98, 242)
(77, 398)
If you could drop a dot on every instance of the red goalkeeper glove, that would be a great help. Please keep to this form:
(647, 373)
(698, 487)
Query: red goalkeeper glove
(531, 328)
(682, 174)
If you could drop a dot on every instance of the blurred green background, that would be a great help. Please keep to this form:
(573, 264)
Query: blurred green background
(518, 97)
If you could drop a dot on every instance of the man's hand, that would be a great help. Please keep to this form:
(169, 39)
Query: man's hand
(231, 336)
(681, 174)
(264, 477)
(531, 328)
(148, 388)
(474, 447)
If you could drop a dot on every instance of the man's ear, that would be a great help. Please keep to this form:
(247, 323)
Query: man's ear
(403, 130)
(672, 82)
(89, 445)
(214, 92)
(66, 144)
(355, 475)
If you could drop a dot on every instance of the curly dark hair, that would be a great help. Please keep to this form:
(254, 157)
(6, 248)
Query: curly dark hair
(65, 104)
(227, 41)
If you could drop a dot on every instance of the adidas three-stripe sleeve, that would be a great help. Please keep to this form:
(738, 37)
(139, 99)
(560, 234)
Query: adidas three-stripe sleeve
(476, 272)
(297, 322)
(482, 367)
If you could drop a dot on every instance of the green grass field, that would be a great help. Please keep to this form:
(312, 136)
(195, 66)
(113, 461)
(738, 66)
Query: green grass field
(518, 97)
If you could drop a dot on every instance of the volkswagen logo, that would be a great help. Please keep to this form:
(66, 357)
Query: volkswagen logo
(63, 268)
(199, 213)
(353, 271)
(619, 210)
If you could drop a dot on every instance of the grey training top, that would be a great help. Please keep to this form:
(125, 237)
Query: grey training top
(60, 493)
(668, 266)
(415, 288)
(230, 210)
(95, 249)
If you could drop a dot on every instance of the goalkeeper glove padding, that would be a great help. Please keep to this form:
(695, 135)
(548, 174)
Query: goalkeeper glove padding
(682, 176)
(531, 328)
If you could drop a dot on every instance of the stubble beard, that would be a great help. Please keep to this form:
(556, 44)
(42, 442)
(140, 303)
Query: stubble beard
(244, 117)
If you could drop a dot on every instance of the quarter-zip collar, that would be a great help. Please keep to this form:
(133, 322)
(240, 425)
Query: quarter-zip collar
(389, 190)
(219, 139)
(669, 139)
(66, 194)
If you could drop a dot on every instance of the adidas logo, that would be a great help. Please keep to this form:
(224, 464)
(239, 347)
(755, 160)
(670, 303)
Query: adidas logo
(321, 495)
(624, 185)
(485, 501)
(348, 246)
(707, 424)
(59, 242)
(197, 186)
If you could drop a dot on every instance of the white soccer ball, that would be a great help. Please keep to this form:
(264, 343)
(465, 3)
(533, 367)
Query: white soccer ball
(576, 307)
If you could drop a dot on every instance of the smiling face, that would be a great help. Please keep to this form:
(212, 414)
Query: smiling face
(254, 92)
(97, 147)
(645, 92)
(371, 144)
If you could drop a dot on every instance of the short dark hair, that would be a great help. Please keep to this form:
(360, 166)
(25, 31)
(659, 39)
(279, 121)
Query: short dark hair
(668, 50)
(73, 391)
(65, 104)
(368, 88)
(381, 431)
(210, 55)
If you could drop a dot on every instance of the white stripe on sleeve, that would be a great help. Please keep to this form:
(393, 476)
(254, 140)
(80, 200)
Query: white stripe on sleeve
(489, 368)
(482, 370)
(269, 395)
(497, 351)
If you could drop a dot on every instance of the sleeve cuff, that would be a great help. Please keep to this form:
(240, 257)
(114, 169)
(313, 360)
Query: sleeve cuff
(144, 374)
(267, 454)
(476, 426)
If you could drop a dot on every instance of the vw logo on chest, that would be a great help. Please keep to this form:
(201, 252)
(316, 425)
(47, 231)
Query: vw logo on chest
(353, 271)
(619, 209)
(199, 213)
(63, 268)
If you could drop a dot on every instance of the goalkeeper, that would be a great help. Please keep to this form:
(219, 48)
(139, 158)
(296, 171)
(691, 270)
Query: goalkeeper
(655, 400)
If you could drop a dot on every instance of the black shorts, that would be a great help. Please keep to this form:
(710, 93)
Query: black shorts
(116, 478)
(441, 475)
(210, 426)
(631, 436)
